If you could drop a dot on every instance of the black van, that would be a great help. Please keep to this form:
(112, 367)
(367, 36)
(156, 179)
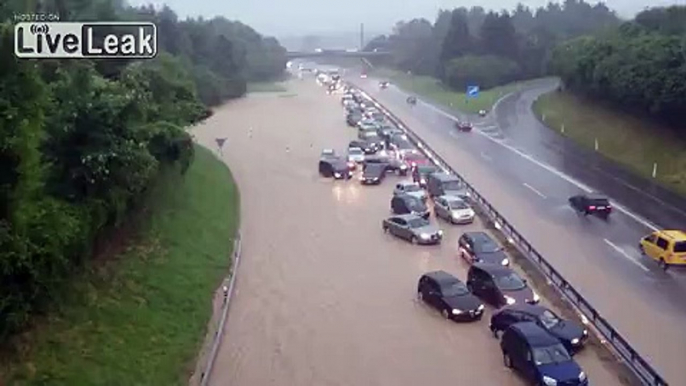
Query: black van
(444, 184)
(406, 204)
(336, 168)
(539, 357)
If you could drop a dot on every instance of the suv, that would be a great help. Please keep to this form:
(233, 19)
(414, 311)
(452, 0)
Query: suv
(539, 357)
(667, 247)
(450, 296)
(591, 204)
(444, 184)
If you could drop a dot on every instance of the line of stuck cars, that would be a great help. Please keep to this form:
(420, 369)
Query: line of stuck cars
(535, 341)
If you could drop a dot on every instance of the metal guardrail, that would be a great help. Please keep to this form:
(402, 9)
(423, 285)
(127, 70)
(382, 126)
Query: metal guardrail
(227, 289)
(634, 361)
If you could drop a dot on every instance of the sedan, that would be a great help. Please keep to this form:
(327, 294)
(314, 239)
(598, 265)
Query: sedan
(572, 335)
(591, 204)
(453, 209)
(373, 174)
(411, 188)
(449, 296)
(355, 154)
(479, 247)
(414, 228)
(392, 164)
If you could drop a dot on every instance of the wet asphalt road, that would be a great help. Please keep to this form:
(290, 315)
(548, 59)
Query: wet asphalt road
(516, 164)
(323, 296)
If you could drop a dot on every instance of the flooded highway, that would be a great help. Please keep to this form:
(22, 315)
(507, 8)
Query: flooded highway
(600, 259)
(323, 296)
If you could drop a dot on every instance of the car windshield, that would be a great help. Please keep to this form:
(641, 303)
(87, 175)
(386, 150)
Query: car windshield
(550, 355)
(374, 169)
(487, 246)
(455, 289)
(510, 282)
(680, 247)
(371, 134)
(458, 204)
(599, 202)
(452, 185)
(355, 151)
(548, 319)
(417, 222)
(416, 205)
(412, 188)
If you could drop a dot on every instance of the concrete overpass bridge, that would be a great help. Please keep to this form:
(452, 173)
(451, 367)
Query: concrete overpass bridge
(337, 54)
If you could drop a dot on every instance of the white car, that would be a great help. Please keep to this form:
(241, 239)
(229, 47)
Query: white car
(411, 188)
(453, 209)
(355, 154)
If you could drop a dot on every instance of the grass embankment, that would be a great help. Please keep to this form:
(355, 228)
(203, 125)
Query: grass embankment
(139, 318)
(432, 89)
(628, 140)
(267, 87)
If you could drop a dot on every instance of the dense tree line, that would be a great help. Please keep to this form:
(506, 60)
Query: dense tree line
(82, 141)
(488, 48)
(640, 66)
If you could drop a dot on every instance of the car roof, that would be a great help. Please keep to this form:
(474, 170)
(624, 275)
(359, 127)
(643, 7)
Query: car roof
(406, 183)
(450, 197)
(533, 309)
(480, 237)
(596, 196)
(442, 277)
(535, 335)
(407, 196)
(677, 235)
(407, 216)
(445, 176)
(494, 269)
(373, 166)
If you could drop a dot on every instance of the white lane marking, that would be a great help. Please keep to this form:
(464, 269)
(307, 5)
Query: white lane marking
(626, 255)
(554, 171)
(534, 190)
(487, 158)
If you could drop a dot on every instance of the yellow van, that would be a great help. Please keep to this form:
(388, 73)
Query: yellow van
(667, 247)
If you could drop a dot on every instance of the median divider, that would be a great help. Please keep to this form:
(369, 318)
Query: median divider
(589, 315)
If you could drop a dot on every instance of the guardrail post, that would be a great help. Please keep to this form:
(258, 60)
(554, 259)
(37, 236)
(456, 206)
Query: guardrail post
(562, 129)
(654, 169)
(596, 144)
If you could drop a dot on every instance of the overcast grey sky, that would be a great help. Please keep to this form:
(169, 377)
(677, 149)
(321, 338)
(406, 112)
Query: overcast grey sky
(299, 17)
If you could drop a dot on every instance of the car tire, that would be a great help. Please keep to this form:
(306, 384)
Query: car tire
(385, 229)
(414, 240)
(494, 331)
(641, 249)
(445, 313)
(663, 264)
(420, 295)
(506, 360)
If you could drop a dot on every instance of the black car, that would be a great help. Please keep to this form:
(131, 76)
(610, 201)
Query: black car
(499, 286)
(335, 167)
(353, 118)
(479, 247)
(591, 204)
(408, 204)
(373, 174)
(383, 84)
(450, 296)
(393, 165)
(368, 147)
(571, 334)
(420, 174)
(411, 227)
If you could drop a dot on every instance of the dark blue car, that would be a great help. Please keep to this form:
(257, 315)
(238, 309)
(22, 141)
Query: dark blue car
(572, 335)
(540, 358)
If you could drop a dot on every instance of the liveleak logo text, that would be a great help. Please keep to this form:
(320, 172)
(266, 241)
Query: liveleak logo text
(85, 40)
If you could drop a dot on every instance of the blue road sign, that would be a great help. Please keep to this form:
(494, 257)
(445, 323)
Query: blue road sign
(472, 91)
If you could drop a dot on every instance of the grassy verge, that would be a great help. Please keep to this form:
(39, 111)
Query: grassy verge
(628, 140)
(432, 89)
(266, 87)
(139, 317)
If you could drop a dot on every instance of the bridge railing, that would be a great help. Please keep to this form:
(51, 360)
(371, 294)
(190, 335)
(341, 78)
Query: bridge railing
(633, 360)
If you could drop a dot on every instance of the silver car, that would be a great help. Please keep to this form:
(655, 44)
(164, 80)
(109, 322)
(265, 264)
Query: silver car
(453, 209)
(411, 188)
(413, 228)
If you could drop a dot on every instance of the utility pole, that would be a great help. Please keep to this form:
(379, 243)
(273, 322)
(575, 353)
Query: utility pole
(361, 36)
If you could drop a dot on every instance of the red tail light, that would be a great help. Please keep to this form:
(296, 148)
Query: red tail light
(592, 207)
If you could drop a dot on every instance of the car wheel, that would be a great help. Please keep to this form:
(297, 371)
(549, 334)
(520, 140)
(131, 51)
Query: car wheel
(507, 361)
(420, 295)
(414, 240)
(495, 332)
(641, 249)
(663, 264)
(385, 229)
(445, 313)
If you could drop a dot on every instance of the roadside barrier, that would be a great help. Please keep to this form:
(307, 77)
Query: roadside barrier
(227, 289)
(633, 360)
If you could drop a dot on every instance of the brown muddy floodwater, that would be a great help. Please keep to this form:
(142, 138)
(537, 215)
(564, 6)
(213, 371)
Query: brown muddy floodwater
(323, 296)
